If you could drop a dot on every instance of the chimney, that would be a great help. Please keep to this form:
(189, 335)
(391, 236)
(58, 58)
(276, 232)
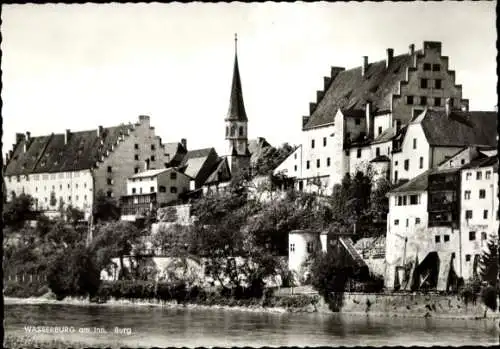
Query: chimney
(305, 120)
(413, 56)
(6, 157)
(465, 105)
(369, 121)
(144, 119)
(20, 137)
(412, 49)
(28, 136)
(66, 136)
(184, 143)
(364, 65)
(390, 56)
(99, 131)
(447, 106)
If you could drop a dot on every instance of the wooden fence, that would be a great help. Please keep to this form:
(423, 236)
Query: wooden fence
(26, 277)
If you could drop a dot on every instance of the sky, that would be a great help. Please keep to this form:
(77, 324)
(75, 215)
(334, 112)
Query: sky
(79, 66)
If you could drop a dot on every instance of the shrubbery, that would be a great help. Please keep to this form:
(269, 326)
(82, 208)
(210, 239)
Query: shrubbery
(25, 289)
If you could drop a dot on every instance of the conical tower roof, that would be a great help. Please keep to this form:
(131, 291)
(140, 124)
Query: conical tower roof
(236, 109)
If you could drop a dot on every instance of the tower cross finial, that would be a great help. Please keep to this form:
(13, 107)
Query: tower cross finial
(236, 42)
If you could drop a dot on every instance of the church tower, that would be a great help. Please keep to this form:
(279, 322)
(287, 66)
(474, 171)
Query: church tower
(238, 155)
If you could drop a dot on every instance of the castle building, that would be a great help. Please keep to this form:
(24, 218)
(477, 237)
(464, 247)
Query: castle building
(360, 115)
(58, 170)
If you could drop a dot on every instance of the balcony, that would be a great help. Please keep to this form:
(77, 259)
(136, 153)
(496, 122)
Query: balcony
(443, 206)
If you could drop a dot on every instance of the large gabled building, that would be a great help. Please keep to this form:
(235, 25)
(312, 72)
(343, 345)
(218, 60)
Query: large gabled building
(361, 111)
(71, 168)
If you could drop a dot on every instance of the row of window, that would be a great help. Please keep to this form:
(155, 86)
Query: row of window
(136, 146)
(479, 175)
(482, 194)
(152, 158)
(411, 100)
(403, 200)
(60, 187)
(313, 143)
(161, 189)
(468, 214)
(318, 164)
(69, 198)
(309, 247)
(36, 177)
(433, 67)
(424, 83)
(232, 133)
(417, 221)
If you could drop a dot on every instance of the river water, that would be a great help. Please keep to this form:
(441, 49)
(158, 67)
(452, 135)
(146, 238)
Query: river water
(157, 326)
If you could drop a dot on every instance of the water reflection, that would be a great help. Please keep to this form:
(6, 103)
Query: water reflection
(154, 326)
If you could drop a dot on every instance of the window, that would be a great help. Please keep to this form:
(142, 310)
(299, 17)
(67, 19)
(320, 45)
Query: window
(468, 175)
(405, 201)
(400, 201)
(413, 199)
(310, 247)
(328, 162)
(396, 222)
(358, 153)
(153, 147)
(308, 164)
(437, 238)
(485, 214)
(421, 162)
(396, 163)
(140, 190)
(446, 238)
(479, 175)
(436, 67)
(487, 175)
(423, 100)
(437, 101)
(358, 121)
(136, 170)
(60, 186)
(69, 198)
(417, 221)
(85, 197)
(109, 181)
(482, 193)
(409, 99)
(377, 151)
(317, 163)
(292, 247)
(173, 190)
(414, 143)
(76, 185)
(380, 130)
(295, 168)
(423, 83)
(295, 156)
(153, 158)
(467, 257)
(136, 157)
(151, 189)
(312, 143)
(110, 194)
(324, 141)
(427, 66)
(348, 135)
(468, 214)
(76, 197)
(472, 235)
(395, 176)
(437, 84)
(173, 175)
(462, 162)
(407, 222)
(36, 189)
(407, 164)
(162, 189)
(240, 131)
(467, 195)
(136, 146)
(483, 236)
(133, 190)
(69, 186)
(110, 169)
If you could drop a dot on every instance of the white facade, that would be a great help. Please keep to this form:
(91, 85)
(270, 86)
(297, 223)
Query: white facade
(51, 190)
(291, 166)
(301, 245)
(406, 232)
(478, 214)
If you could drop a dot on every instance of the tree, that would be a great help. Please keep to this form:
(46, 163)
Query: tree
(73, 272)
(271, 158)
(114, 239)
(17, 211)
(489, 264)
(63, 233)
(105, 208)
(74, 214)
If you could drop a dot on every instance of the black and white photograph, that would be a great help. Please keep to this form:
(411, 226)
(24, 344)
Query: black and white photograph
(250, 174)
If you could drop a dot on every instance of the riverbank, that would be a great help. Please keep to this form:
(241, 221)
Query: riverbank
(402, 306)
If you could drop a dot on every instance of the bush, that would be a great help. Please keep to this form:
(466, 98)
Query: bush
(489, 296)
(25, 289)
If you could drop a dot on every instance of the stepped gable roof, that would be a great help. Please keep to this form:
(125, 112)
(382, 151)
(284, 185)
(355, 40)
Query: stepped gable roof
(48, 154)
(349, 91)
(220, 172)
(460, 128)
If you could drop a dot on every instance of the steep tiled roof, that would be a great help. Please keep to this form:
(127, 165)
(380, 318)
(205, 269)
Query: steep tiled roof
(150, 173)
(482, 162)
(236, 106)
(198, 164)
(349, 91)
(416, 184)
(460, 128)
(385, 136)
(51, 154)
(176, 151)
(220, 172)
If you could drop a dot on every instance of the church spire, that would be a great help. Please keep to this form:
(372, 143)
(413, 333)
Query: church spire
(236, 106)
